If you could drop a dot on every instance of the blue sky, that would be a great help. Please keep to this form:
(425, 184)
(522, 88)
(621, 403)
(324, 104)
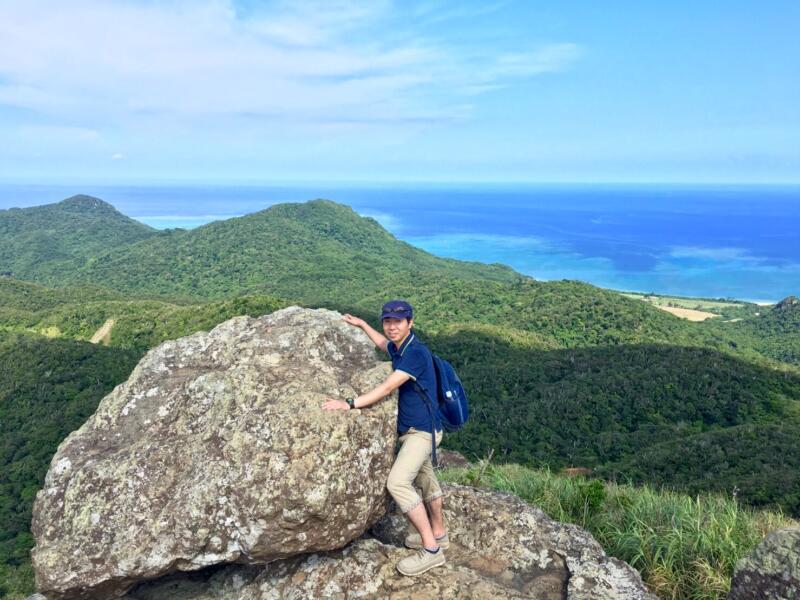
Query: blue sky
(217, 91)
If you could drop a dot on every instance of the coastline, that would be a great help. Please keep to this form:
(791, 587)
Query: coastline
(672, 240)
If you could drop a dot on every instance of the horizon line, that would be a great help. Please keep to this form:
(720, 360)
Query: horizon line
(153, 182)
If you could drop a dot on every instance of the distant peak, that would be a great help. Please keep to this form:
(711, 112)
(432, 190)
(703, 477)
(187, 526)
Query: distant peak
(84, 202)
(790, 302)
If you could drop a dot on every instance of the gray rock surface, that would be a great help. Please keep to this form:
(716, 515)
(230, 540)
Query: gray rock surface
(449, 459)
(501, 548)
(772, 571)
(217, 450)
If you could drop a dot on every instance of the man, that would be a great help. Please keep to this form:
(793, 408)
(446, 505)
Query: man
(411, 362)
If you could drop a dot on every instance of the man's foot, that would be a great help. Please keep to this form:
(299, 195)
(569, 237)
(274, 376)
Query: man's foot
(419, 562)
(414, 541)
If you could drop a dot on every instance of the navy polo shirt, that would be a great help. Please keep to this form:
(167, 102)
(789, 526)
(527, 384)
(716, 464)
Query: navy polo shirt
(414, 359)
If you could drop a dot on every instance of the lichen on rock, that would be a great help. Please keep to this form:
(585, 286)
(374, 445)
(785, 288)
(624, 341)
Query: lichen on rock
(216, 450)
(501, 548)
(772, 571)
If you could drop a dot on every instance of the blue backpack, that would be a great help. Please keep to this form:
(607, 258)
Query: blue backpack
(450, 403)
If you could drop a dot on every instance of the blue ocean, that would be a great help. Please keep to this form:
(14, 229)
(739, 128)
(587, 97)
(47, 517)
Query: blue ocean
(738, 242)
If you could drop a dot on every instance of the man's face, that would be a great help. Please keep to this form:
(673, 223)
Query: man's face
(397, 329)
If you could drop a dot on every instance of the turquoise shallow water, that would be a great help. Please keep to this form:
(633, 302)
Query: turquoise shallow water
(711, 241)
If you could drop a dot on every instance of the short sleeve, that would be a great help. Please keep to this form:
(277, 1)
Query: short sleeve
(412, 363)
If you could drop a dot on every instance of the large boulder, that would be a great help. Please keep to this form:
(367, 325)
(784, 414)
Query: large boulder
(772, 571)
(217, 450)
(501, 548)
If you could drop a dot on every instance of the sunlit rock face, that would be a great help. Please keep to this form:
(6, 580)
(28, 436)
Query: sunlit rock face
(501, 548)
(216, 450)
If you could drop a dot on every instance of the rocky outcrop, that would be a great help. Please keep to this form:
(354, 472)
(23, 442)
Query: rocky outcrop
(450, 459)
(500, 548)
(216, 450)
(214, 473)
(788, 303)
(504, 538)
(772, 571)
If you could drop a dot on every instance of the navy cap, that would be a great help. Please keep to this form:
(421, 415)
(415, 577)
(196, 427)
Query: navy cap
(397, 309)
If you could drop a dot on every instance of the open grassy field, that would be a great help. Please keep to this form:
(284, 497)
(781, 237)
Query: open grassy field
(698, 309)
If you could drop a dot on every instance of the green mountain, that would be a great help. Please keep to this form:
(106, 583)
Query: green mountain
(319, 253)
(774, 332)
(45, 243)
(316, 251)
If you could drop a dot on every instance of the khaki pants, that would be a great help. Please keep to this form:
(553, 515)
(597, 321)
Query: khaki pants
(413, 466)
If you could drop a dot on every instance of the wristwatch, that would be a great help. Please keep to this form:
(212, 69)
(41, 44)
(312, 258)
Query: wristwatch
(351, 402)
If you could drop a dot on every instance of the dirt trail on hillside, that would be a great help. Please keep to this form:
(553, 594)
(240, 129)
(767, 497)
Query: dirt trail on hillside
(104, 333)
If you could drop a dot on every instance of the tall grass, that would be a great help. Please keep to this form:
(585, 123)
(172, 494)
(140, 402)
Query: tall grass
(685, 547)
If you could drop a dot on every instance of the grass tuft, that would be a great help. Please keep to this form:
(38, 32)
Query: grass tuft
(685, 547)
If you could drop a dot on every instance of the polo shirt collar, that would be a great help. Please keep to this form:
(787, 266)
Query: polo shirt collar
(405, 344)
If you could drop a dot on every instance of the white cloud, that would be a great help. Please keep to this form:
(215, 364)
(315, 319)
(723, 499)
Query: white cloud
(58, 134)
(117, 156)
(309, 62)
(550, 58)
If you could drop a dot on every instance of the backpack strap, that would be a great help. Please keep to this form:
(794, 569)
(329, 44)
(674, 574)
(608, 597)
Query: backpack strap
(429, 404)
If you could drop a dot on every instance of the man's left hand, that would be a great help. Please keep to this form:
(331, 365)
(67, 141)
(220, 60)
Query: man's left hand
(332, 404)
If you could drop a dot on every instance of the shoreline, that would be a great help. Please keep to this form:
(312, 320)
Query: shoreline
(721, 301)
(542, 258)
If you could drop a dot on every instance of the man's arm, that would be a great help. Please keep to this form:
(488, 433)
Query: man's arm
(377, 338)
(394, 381)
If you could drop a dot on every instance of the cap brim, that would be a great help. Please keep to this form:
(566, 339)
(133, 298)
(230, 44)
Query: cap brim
(394, 316)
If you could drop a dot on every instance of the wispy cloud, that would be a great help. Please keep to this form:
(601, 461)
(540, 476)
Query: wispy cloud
(434, 12)
(58, 133)
(306, 61)
(550, 58)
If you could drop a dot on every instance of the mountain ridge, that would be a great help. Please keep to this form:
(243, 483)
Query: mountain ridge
(324, 253)
(42, 243)
(264, 251)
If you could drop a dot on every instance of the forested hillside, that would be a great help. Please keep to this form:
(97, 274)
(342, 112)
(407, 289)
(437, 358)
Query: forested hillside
(323, 253)
(758, 464)
(775, 332)
(139, 324)
(559, 373)
(538, 397)
(614, 406)
(48, 388)
(317, 251)
(48, 243)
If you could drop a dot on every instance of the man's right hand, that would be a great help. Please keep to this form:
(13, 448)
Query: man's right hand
(355, 321)
(379, 340)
